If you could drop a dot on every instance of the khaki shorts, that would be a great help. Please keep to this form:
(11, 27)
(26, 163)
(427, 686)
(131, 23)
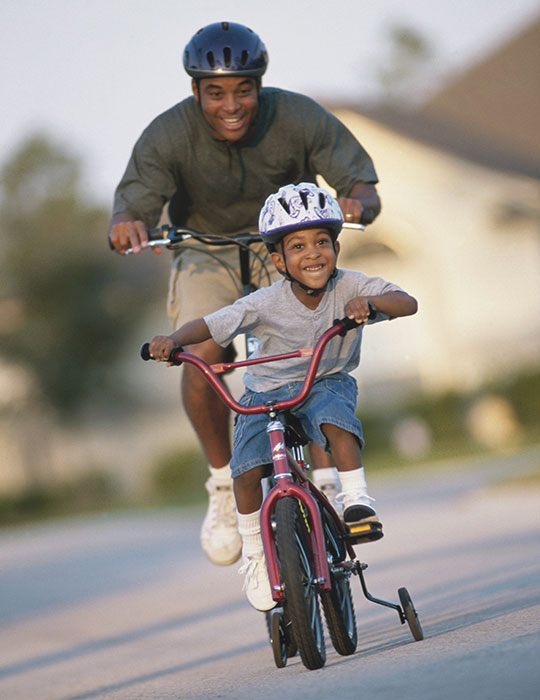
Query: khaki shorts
(200, 284)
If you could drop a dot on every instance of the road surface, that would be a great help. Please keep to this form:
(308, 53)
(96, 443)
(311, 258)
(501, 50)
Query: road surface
(125, 606)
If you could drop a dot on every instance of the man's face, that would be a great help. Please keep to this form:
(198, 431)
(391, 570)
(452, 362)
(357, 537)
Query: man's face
(229, 105)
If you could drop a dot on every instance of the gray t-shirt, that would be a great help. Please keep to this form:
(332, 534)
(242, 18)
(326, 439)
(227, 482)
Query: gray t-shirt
(219, 187)
(282, 324)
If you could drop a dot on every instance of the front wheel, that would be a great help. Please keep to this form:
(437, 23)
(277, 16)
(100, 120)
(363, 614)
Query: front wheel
(337, 602)
(298, 576)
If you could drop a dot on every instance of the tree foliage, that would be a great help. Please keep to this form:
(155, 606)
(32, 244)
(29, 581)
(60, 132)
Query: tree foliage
(402, 77)
(71, 303)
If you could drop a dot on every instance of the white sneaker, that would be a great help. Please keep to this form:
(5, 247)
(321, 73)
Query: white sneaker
(220, 539)
(357, 507)
(257, 583)
(331, 491)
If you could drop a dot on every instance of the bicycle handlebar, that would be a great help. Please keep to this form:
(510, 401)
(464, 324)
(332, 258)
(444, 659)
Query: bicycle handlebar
(167, 236)
(178, 356)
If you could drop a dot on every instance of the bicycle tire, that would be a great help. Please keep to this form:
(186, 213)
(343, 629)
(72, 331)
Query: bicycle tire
(298, 576)
(337, 603)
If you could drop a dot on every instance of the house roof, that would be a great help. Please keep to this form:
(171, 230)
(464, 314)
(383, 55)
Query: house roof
(489, 114)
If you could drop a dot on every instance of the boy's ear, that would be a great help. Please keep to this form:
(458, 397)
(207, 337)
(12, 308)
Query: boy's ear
(278, 261)
(337, 247)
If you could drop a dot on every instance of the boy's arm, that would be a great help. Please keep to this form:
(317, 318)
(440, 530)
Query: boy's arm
(392, 304)
(190, 334)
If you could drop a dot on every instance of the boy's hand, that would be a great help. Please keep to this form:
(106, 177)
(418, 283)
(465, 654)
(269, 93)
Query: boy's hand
(161, 347)
(358, 309)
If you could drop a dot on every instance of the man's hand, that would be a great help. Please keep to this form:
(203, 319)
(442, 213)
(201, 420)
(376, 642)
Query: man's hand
(352, 209)
(127, 232)
(362, 205)
(358, 309)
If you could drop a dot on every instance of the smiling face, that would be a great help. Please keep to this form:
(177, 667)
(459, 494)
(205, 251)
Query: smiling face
(309, 256)
(229, 105)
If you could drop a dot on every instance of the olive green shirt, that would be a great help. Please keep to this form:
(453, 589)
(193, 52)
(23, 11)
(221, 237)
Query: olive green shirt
(219, 187)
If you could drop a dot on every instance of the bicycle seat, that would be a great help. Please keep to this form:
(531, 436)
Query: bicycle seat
(295, 435)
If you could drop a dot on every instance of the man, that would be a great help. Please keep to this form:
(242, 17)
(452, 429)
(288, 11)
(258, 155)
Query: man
(214, 158)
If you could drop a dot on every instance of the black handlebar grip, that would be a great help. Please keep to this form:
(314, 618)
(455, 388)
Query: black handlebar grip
(367, 217)
(145, 352)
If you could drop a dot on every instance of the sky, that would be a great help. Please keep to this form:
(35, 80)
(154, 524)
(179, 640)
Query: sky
(92, 74)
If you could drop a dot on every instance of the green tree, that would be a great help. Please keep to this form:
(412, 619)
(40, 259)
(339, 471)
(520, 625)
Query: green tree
(74, 303)
(402, 76)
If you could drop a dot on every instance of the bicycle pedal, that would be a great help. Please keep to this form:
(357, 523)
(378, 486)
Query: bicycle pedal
(364, 532)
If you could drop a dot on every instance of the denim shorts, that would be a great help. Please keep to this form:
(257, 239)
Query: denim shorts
(331, 400)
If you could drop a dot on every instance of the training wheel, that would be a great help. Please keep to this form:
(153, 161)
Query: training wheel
(283, 645)
(410, 614)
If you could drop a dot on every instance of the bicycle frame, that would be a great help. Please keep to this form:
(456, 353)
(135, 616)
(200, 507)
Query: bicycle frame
(285, 465)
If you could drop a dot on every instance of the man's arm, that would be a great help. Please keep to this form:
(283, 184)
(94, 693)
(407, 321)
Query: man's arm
(362, 205)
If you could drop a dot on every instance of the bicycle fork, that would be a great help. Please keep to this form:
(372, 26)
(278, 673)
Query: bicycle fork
(286, 488)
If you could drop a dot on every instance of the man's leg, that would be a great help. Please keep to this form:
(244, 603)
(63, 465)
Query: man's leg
(210, 419)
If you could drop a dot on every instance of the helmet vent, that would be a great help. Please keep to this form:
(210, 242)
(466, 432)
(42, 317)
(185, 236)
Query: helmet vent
(210, 58)
(225, 26)
(322, 200)
(244, 57)
(284, 204)
(227, 56)
(304, 197)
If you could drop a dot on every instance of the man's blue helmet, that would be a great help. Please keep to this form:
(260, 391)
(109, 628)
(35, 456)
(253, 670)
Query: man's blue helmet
(225, 49)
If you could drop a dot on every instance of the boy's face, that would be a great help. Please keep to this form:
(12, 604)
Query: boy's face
(308, 256)
(229, 105)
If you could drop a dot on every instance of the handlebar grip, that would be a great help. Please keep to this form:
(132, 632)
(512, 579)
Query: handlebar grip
(347, 323)
(367, 217)
(145, 354)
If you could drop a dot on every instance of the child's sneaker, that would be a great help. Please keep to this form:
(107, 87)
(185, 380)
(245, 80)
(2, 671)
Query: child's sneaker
(331, 491)
(257, 583)
(220, 539)
(357, 508)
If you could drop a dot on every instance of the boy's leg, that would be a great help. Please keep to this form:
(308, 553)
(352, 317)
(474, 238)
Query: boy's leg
(248, 494)
(346, 451)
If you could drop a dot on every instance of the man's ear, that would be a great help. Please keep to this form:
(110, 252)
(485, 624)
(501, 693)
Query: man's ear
(278, 261)
(195, 89)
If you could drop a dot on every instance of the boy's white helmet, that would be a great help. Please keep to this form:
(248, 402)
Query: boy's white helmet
(296, 207)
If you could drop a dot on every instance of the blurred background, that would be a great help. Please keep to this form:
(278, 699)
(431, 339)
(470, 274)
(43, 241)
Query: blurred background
(445, 98)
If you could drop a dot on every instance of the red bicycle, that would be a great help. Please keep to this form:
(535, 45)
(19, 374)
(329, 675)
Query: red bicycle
(309, 551)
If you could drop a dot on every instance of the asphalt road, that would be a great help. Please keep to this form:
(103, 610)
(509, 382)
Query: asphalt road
(125, 606)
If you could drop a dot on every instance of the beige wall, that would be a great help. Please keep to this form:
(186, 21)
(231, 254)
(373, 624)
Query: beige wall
(477, 277)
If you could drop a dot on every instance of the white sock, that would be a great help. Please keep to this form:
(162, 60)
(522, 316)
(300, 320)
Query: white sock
(327, 475)
(249, 527)
(223, 474)
(353, 480)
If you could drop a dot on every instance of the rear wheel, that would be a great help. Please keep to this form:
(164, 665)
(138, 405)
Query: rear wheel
(337, 602)
(298, 576)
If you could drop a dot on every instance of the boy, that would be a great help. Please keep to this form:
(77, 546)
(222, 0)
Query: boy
(300, 225)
